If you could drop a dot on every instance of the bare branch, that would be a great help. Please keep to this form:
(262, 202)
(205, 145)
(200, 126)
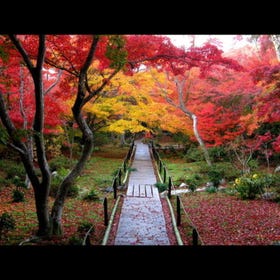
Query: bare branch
(17, 148)
(95, 92)
(51, 63)
(55, 83)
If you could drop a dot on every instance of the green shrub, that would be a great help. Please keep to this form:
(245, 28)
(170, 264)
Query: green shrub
(91, 195)
(249, 186)
(220, 170)
(193, 181)
(218, 154)
(75, 240)
(7, 223)
(18, 182)
(60, 162)
(194, 154)
(4, 182)
(211, 189)
(15, 170)
(84, 227)
(18, 196)
(253, 164)
(161, 186)
(215, 175)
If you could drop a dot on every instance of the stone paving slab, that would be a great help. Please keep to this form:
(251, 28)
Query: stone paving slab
(142, 221)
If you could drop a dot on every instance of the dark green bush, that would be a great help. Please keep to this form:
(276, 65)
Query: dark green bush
(18, 182)
(4, 182)
(194, 154)
(91, 195)
(13, 170)
(215, 175)
(18, 196)
(75, 240)
(218, 154)
(84, 227)
(193, 181)
(211, 189)
(7, 223)
(161, 186)
(60, 162)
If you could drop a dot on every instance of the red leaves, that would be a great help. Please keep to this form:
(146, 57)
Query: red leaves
(226, 220)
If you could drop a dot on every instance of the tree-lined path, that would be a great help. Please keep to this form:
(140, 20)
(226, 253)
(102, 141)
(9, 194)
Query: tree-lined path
(142, 221)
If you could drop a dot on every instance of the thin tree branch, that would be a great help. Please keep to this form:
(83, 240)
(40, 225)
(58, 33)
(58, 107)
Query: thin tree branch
(95, 92)
(23, 53)
(51, 63)
(55, 83)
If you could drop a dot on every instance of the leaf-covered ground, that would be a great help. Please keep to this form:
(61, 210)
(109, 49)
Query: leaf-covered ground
(222, 219)
(97, 175)
(76, 212)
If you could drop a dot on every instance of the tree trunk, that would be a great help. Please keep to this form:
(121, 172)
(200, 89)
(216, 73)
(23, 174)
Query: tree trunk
(80, 101)
(200, 141)
(42, 209)
(57, 209)
(183, 98)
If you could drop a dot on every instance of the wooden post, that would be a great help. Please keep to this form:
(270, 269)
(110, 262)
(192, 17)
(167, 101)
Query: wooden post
(194, 237)
(105, 205)
(124, 166)
(120, 176)
(115, 188)
(164, 174)
(88, 241)
(169, 187)
(178, 211)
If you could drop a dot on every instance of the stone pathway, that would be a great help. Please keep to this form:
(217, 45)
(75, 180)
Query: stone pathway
(142, 221)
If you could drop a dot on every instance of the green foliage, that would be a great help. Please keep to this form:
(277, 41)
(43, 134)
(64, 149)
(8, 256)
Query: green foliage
(226, 169)
(249, 186)
(84, 227)
(215, 175)
(18, 182)
(194, 154)
(73, 190)
(218, 153)
(18, 196)
(75, 240)
(59, 162)
(7, 223)
(193, 181)
(115, 172)
(229, 191)
(4, 136)
(211, 189)
(161, 186)
(4, 182)
(273, 128)
(4, 55)
(13, 169)
(253, 164)
(102, 138)
(116, 52)
(91, 195)
(181, 137)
